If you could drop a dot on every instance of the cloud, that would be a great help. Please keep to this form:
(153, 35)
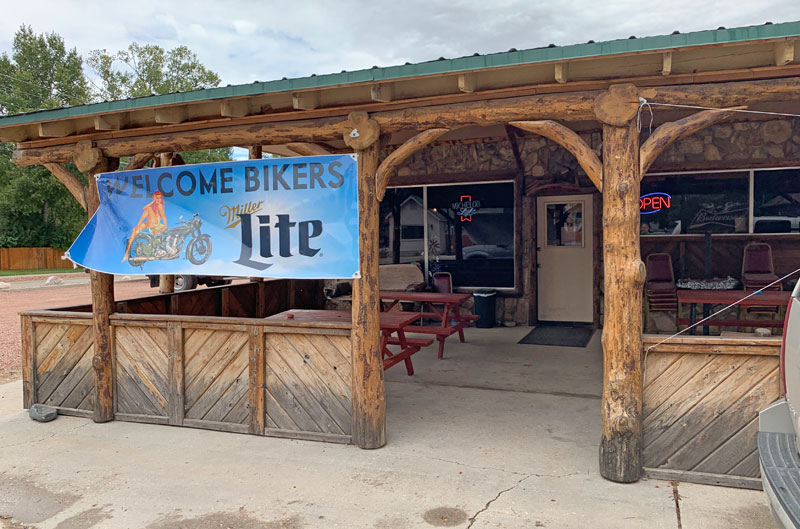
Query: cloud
(246, 41)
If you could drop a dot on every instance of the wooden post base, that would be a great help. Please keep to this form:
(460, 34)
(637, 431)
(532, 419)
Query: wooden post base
(621, 457)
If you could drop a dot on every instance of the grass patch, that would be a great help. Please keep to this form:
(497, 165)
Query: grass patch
(49, 272)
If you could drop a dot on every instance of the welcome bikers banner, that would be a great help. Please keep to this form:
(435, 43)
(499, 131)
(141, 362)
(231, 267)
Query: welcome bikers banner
(283, 217)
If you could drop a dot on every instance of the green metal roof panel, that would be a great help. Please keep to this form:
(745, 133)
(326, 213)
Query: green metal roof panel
(441, 66)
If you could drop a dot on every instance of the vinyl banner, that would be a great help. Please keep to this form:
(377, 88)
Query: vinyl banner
(283, 217)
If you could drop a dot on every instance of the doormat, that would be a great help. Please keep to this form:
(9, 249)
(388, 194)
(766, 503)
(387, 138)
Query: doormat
(560, 334)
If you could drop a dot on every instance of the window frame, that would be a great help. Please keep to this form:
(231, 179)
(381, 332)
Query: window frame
(516, 289)
(750, 199)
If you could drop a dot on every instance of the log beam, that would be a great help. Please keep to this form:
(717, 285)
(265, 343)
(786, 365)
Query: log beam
(621, 404)
(102, 307)
(401, 154)
(255, 152)
(307, 149)
(570, 141)
(572, 106)
(668, 133)
(70, 181)
(369, 392)
(138, 161)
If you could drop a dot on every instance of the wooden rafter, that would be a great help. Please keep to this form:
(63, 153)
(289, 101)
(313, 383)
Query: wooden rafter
(70, 181)
(399, 155)
(668, 133)
(307, 149)
(565, 137)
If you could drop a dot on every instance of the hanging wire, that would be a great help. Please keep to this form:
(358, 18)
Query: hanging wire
(692, 326)
(643, 101)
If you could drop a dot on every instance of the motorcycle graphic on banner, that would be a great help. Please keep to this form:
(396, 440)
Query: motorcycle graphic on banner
(284, 218)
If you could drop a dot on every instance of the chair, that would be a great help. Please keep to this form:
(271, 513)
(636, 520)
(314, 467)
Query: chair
(757, 268)
(442, 282)
(758, 271)
(659, 287)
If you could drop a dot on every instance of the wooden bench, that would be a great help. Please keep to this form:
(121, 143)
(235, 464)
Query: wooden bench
(412, 345)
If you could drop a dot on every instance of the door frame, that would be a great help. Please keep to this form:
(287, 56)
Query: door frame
(591, 239)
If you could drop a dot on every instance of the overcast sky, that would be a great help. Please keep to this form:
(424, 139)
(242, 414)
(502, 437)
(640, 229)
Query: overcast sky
(248, 41)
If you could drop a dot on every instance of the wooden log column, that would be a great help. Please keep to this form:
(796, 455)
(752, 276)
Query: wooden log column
(166, 282)
(102, 307)
(369, 393)
(621, 442)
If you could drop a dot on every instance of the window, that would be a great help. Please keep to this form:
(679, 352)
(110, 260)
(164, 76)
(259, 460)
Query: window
(776, 201)
(471, 233)
(402, 226)
(466, 230)
(565, 224)
(695, 203)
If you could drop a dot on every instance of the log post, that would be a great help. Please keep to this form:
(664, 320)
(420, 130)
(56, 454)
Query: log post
(369, 393)
(166, 282)
(102, 307)
(621, 442)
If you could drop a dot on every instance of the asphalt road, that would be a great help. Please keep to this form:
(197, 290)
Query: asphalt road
(31, 294)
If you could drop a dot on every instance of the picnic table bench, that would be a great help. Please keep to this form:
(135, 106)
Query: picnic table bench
(708, 298)
(450, 317)
(391, 323)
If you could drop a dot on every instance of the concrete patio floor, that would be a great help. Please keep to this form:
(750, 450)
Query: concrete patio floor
(497, 435)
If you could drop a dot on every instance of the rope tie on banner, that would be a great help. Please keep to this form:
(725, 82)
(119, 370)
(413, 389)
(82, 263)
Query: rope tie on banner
(692, 326)
(644, 102)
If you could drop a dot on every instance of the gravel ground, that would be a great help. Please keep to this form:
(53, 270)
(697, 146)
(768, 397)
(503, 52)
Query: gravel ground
(14, 301)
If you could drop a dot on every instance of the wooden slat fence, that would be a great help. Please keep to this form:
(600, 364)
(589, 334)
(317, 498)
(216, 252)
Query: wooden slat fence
(32, 259)
(220, 373)
(701, 401)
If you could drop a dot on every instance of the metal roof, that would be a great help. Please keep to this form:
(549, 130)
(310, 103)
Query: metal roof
(440, 66)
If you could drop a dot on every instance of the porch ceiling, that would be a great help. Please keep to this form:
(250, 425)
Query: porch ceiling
(756, 52)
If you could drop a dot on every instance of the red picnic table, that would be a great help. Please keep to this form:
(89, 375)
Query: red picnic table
(769, 298)
(452, 320)
(391, 323)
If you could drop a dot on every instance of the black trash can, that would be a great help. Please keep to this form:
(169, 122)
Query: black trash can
(485, 301)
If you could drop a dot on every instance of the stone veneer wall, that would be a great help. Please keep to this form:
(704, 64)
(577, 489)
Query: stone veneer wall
(728, 145)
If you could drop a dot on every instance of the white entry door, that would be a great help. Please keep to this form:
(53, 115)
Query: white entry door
(564, 257)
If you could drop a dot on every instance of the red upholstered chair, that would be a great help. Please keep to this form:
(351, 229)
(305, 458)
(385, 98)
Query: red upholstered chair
(757, 268)
(659, 287)
(758, 272)
(443, 282)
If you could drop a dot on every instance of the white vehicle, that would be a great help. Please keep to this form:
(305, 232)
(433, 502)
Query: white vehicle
(778, 426)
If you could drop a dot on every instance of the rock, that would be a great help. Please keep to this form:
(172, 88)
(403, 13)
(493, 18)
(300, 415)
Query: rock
(5, 286)
(711, 152)
(53, 280)
(777, 131)
(42, 413)
(691, 145)
(537, 170)
(723, 131)
(775, 151)
(762, 332)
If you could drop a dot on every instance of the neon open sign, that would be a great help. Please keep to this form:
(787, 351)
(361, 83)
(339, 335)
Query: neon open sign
(654, 202)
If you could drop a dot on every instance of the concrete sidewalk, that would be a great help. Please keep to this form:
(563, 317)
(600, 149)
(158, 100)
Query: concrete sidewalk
(507, 456)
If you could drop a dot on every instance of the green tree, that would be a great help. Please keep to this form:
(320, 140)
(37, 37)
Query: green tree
(146, 69)
(40, 73)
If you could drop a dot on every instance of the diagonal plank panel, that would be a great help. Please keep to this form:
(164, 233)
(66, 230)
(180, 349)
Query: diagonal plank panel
(308, 383)
(63, 354)
(142, 370)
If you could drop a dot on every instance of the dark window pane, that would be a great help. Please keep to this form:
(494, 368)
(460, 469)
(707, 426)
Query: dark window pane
(471, 233)
(776, 201)
(694, 203)
(402, 226)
